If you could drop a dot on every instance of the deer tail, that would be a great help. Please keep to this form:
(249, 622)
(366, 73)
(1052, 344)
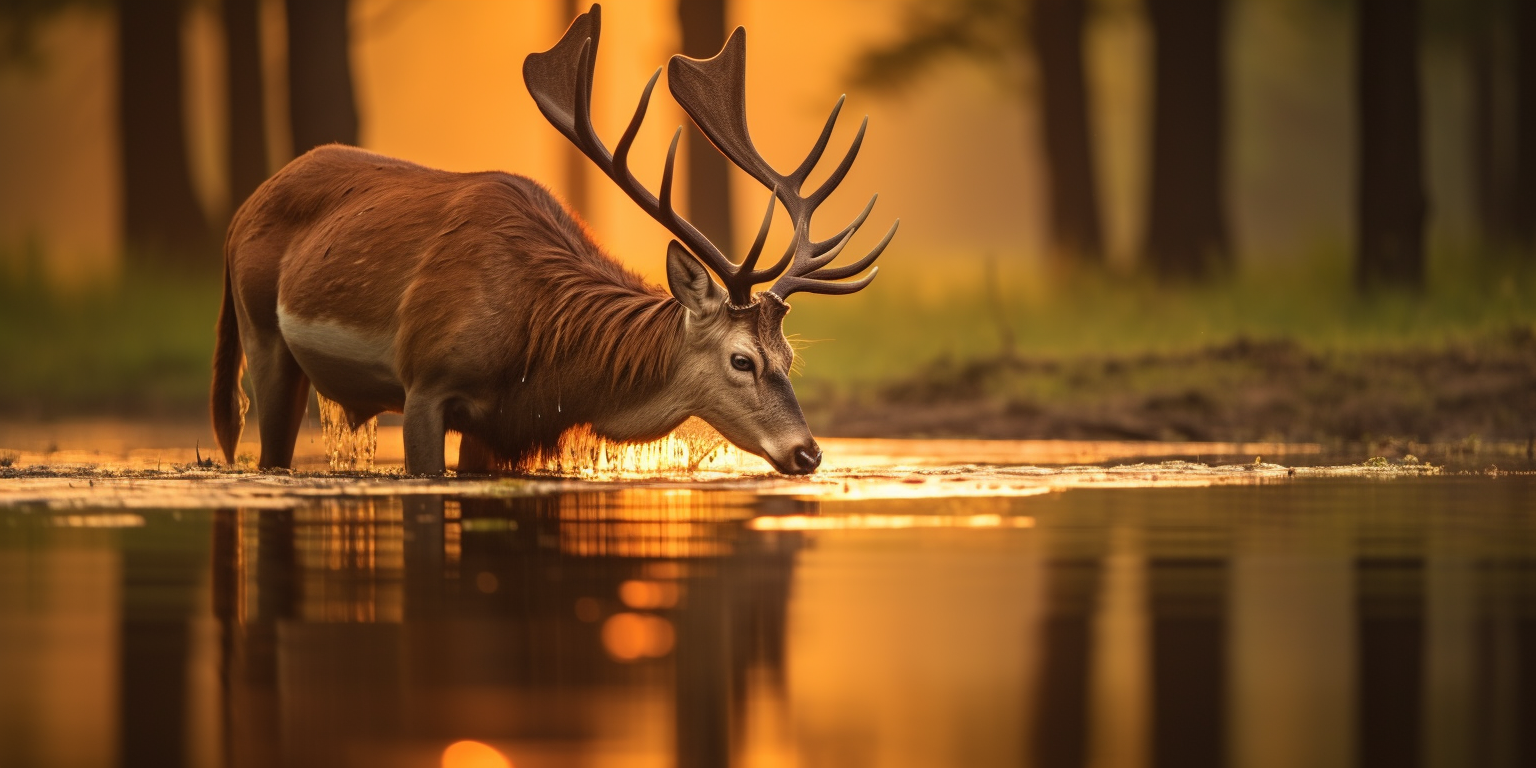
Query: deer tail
(227, 400)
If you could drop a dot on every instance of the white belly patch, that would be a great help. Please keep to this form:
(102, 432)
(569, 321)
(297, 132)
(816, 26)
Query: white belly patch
(344, 362)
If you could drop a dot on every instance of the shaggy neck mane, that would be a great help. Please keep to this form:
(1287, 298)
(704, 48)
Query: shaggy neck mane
(592, 316)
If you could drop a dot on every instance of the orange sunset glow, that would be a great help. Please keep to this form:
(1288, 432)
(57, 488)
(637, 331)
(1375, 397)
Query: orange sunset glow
(440, 84)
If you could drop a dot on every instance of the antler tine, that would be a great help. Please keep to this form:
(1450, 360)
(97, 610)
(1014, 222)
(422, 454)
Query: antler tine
(750, 262)
(730, 275)
(849, 270)
(667, 168)
(621, 150)
(827, 187)
(586, 64)
(789, 284)
(820, 248)
(814, 157)
(764, 275)
(821, 280)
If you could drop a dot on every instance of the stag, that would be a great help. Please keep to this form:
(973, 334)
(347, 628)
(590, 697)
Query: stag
(476, 302)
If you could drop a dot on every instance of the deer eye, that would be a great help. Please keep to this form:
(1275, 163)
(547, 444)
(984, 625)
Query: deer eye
(741, 363)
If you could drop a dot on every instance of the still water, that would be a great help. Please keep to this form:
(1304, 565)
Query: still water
(1304, 622)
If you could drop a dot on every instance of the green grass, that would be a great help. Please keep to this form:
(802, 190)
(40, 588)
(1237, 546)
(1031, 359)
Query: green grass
(143, 346)
(906, 320)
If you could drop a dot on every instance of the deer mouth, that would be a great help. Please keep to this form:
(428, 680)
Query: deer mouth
(803, 461)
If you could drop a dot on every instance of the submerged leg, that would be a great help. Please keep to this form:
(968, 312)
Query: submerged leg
(475, 456)
(423, 434)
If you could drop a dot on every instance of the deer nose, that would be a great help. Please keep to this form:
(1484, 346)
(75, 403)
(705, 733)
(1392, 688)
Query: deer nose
(807, 458)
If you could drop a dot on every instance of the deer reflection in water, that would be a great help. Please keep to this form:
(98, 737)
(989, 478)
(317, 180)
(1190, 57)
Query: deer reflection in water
(371, 621)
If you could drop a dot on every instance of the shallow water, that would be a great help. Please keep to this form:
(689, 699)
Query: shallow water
(1277, 621)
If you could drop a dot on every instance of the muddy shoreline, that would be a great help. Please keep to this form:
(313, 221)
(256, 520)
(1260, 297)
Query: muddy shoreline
(1470, 393)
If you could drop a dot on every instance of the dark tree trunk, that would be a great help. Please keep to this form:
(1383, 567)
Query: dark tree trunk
(1389, 642)
(1072, 198)
(1390, 201)
(162, 221)
(1189, 655)
(1186, 236)
(575, 161)
(709, 179)
(1525, 127)
(321, 105)
(1490, 185)
(247, 112)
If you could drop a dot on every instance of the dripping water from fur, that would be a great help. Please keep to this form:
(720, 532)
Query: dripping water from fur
(347, 447)
(692, 447)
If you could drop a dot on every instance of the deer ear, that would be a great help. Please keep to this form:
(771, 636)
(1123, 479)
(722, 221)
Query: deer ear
(690, 282)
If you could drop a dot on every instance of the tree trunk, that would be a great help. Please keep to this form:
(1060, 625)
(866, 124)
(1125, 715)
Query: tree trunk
(1391, 198)
(1490, 166)
(321, 105)
(709, 179)
(1525, 128)
(1186, 236)
(162, 221)
(1072, 199)
(247, 111)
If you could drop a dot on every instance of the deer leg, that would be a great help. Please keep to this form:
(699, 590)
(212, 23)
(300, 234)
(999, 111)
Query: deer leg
(475, 456)
(423, 434)
(282, 394)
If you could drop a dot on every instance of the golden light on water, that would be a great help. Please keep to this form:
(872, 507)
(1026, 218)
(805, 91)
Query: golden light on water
(474, 754)
(655, 539)
(351, 560)
(99, 521)
(648, 595)
(875, 522)
(635, 636)
(651, 523)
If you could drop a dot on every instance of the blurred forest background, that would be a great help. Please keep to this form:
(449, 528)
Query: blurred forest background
(1131, 219)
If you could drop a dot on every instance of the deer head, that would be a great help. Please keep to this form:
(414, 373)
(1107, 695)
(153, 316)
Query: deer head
(735, 361)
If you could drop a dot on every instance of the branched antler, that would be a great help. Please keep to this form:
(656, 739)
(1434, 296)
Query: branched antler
(713, 92)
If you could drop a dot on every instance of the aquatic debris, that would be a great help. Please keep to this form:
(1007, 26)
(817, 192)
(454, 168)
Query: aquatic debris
(347, 445)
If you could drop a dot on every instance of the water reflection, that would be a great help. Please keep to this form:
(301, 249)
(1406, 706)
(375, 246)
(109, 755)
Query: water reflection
(1327, 623)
